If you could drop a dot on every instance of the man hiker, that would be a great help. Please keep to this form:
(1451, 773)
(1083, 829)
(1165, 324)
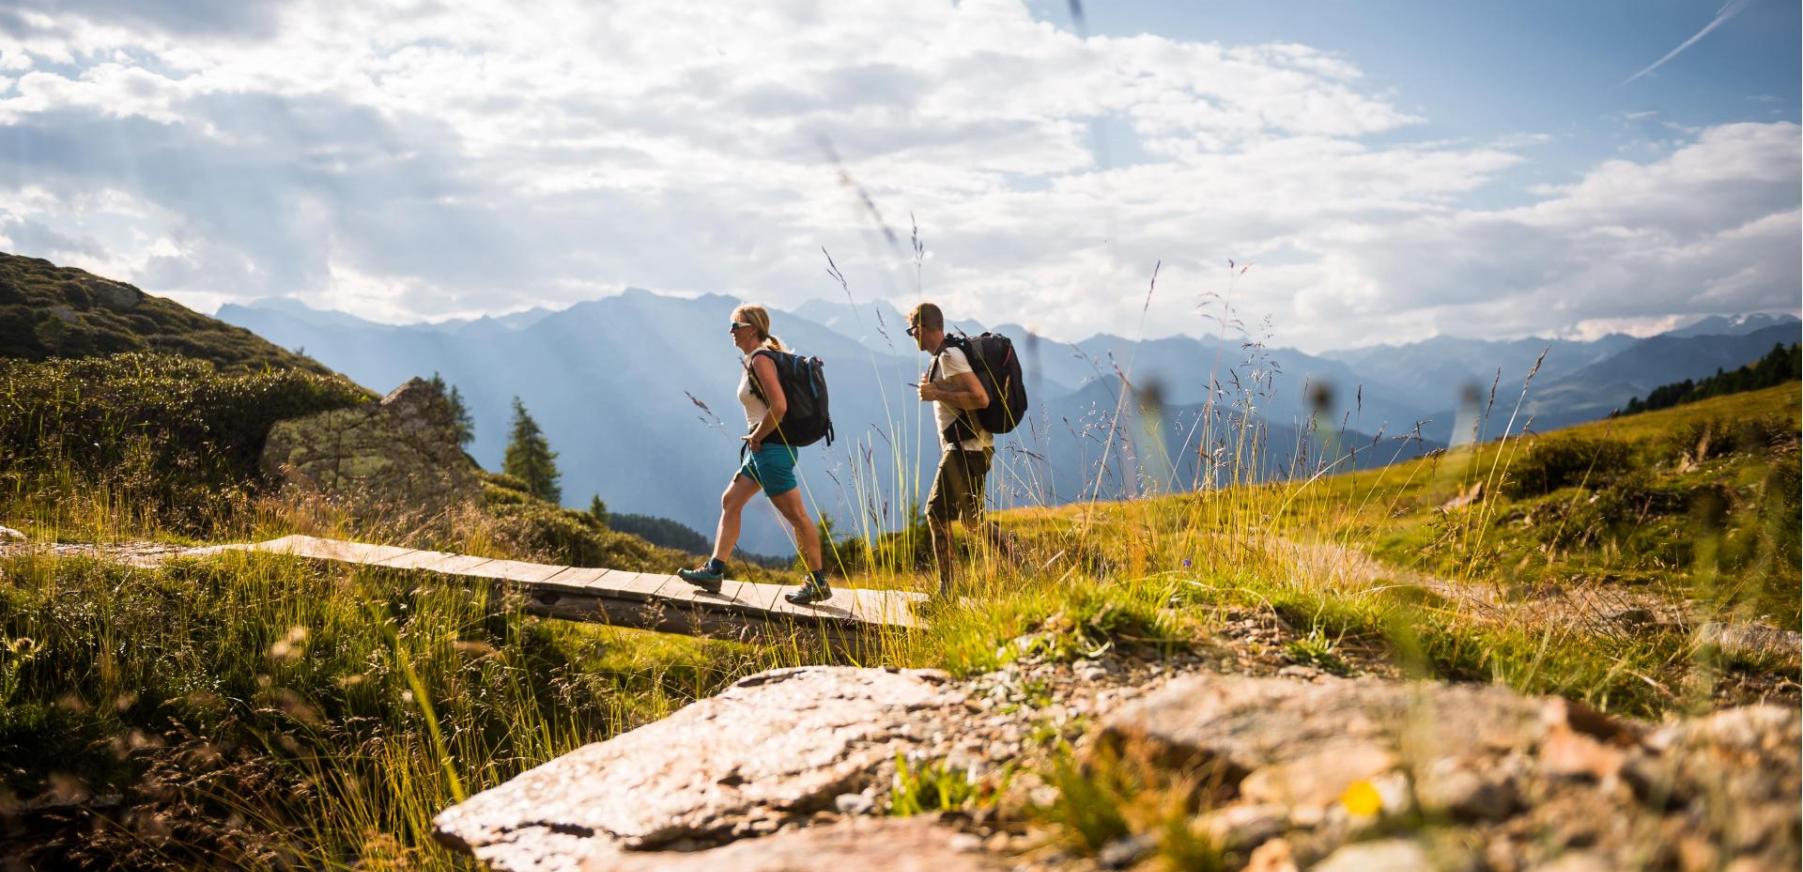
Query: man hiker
(951, 385)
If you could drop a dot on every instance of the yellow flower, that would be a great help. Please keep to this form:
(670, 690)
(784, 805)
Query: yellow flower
(1362, 799)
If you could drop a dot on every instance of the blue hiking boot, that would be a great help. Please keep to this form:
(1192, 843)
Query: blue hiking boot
(707, 576)
(814, 590)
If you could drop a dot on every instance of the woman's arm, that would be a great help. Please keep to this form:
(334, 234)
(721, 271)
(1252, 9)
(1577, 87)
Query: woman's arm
(764, 370)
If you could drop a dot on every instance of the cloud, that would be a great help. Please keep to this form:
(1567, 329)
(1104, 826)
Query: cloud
(413, 160)
(1711, 227)
(254, 18)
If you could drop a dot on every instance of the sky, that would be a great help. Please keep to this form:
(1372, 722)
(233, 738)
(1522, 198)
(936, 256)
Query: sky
(1325, 174)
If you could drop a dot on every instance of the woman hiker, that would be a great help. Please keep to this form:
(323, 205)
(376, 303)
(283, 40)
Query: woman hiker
(769, 463)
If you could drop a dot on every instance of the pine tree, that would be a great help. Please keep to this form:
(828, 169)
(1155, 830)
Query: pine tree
(462, 425)
(598, 509)
(530, 458)
(461, 422)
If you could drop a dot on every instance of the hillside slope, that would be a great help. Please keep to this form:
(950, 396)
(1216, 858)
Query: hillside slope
(50, 311)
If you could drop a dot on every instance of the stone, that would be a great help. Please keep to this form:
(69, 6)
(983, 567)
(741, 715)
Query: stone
(1127, 850)
(1577, 861)
(1240, 827)
(1392, 855)
(1451, 788)
(396, 458)
(1317, 777)
(8, 534)
(776, 746)
(1275, 855)
(1569, 753)
(1750, 640)
(117, 296)
(902, 844)
(853, 803)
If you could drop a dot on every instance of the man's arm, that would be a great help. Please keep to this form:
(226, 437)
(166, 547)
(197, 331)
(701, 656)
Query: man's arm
(965, 392)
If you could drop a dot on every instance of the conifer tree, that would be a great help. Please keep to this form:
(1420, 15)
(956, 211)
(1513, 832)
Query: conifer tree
(598, 509)
(530, 458)
(463, 426)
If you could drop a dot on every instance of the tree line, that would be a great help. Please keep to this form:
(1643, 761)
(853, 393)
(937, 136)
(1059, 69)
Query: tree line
(1777, 367)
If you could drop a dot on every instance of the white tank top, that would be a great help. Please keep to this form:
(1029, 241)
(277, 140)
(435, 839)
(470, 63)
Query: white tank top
(755, 409)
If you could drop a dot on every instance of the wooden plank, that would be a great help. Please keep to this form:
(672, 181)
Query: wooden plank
(455, 564)
(344, 552)
(515, 570)
(412, 560)
(635, 585)
(578, 579)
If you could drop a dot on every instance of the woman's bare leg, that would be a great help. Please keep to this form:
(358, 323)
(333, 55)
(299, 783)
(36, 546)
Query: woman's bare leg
(789, 505)
(732, 505)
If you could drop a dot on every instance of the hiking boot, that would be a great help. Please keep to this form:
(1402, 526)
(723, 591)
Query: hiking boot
(702, 577)
(811, 592)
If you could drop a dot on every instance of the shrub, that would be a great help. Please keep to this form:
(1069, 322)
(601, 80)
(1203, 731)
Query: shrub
(1716, 437)
(1561, 460)
(171, 434)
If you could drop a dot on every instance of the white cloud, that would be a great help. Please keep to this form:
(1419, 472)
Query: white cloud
(413, 160)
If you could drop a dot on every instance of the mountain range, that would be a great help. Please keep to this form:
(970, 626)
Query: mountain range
(636, 393)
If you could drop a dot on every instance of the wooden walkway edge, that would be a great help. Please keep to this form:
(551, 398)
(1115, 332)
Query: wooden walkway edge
(741, 610)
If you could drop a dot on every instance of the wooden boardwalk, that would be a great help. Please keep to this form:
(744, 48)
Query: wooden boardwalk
(741, 610)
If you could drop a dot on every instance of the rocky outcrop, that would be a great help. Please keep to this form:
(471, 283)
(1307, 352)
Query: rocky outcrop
(774, 748)
(396, 458)
(1526, 781)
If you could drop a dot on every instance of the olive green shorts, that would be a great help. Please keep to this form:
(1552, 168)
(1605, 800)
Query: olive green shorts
(957, 493)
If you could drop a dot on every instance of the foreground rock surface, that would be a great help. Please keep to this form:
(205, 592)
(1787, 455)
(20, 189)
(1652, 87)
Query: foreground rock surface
(775, 746)
(403, 449)
(1522, 781)
(792, 770)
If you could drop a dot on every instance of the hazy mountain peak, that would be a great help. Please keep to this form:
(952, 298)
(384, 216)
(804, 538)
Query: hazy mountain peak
(1734, 325)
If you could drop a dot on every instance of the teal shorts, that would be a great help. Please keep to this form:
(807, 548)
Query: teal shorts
(773, 467)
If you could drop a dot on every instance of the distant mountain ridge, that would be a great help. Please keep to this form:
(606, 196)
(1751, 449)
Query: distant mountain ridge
(636, 391)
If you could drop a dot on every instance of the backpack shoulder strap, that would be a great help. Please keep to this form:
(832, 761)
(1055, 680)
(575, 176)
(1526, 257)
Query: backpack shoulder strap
(751, 376)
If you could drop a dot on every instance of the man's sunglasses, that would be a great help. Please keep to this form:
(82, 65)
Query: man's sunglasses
(912, 331)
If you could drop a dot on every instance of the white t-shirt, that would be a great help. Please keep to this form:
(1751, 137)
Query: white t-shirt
(952, 362)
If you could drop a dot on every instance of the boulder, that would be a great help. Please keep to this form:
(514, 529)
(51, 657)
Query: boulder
(384, 460)
(768, 751)
(118, 296)
(8, 534)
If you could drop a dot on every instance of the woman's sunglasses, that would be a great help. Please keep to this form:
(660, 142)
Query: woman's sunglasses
(736, 325)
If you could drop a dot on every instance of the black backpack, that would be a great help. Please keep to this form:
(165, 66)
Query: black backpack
(804, 387)
(992, 357)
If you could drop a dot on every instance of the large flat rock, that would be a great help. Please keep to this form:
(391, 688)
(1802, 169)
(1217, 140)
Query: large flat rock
(1243, 724)
(771, 749)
